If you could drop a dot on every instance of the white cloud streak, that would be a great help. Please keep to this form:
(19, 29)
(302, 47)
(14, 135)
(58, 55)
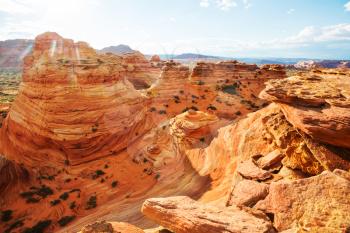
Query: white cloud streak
(290, 11)
(204, 3)
(225, 5)
(347, 6)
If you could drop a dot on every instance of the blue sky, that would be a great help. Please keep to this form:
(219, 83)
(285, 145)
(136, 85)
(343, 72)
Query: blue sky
(238, 28)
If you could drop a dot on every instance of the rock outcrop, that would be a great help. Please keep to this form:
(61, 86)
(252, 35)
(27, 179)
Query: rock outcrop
(127, 129)
(74, 99)
(315, 204)
(182, 215)
(316, 104)
(106, 227)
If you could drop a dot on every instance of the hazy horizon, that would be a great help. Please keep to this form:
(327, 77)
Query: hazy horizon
(227, 28)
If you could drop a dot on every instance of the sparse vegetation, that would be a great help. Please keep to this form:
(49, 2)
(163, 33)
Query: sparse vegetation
(36, 194)
(230, 89)
(200, 82)
(238, 113)
(91, 203)
(6, 215)
(14, 225)
(72, 205)
(55, 202)
(65, 220)
(97, 174)
(211, 107)
(64, 196)
(39, 227)
(162, 112)
(152, 109)
(114, 184)
(94, 128)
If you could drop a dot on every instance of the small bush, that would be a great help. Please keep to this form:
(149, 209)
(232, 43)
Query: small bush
(200, 82)
(157, 176)
(55, 202)
(211, 107)
(238, 113)
(114, 184)
(65, 220)
(39, 227)
(91, 203)
(153, 109)
(6, 215)
(97, 174)
(64, 196)
(162, 112)
(202, 139)
(14, 225)
(194, 108)
(72, 205)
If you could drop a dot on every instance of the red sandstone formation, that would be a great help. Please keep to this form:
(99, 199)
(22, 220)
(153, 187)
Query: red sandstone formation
(183, 215)
(155, 58)
(266, 139)
(81, 143)
(317, 105)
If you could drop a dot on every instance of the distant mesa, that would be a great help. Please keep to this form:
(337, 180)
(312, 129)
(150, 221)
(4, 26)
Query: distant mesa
(12, 53)
(119, 49)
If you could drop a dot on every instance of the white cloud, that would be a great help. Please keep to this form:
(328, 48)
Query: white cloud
(247, 4)
(225, 4)
(347, 6)
(27, 18)
(290, 11)
(334, 36)
(14, 7)
(204, 3)
(172, 19)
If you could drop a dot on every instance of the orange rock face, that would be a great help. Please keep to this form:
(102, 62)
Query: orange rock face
(318, 203)
(92, 136)
(70, 103)
(182, 215)
(316, 104)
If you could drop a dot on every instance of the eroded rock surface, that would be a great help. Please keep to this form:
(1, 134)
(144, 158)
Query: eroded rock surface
(316, 204)
(319, 105)
(183, 215)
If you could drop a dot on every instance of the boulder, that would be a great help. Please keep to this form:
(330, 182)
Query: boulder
(319, 203)
(248, 193)
(182, 215)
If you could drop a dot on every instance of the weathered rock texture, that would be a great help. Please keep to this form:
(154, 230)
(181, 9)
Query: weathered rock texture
(71, 102)
(183, 215)
(106, 227)
(316, 104)
(317, 204)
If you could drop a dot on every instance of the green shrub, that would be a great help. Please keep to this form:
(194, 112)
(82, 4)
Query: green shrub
(14, 225)
(39, 227)
(6, 215)
(65, 220)
(64, 196)
(72, 205)
(55, 202)
(91, 203)
(211, 107)
(97, 174)
(114, 184)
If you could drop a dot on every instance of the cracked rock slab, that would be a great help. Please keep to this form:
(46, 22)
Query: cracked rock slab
(183, 215)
